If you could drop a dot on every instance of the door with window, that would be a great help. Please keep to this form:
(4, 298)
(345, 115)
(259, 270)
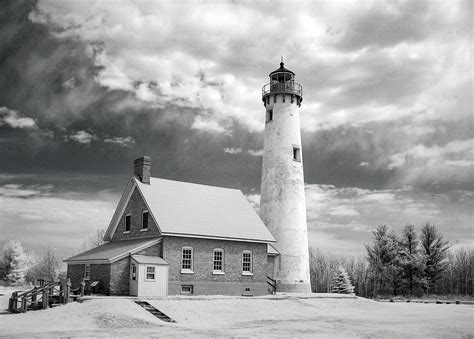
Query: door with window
(134, 278)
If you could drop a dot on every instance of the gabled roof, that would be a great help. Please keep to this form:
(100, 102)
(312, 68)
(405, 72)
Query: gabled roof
(194, 210)
(112, 251)
(147, 259)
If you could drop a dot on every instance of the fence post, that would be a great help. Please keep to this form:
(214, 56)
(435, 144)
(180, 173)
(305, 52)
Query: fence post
(12, 303)
(24, 303)
(83, 286)
(33, 299)
(45, 299)
(67, 291)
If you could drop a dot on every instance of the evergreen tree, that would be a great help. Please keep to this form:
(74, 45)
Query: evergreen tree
(383, 260)
(14, 262)
(342, 282)
(434, 251)
(409, 258)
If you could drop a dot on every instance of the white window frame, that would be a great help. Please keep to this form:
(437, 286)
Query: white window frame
(191, 269)
(250, 271)
(185, 287)
(133, 272)
(146, 273)
(269, 115)
(87, 272)
(125, 222)
(145, 229)
(222, 270)
(296, 153)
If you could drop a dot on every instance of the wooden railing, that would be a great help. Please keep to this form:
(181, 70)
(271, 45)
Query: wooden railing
(273, 284)
(43, 296)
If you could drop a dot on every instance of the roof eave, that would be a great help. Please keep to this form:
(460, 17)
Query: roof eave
(203, 236)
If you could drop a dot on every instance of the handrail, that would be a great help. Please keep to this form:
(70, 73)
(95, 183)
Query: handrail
(40, 295)
(283, 87)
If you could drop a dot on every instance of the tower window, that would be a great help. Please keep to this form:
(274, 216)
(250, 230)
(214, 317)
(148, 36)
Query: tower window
(269, 114)
(296, 153)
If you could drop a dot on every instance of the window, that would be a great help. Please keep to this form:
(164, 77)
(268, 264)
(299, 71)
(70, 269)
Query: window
(128, 222)
(296, 153)
(145, 220)
(187, 260)
(247, 262)
(150, 273)
(218, 262)
(269, 114)
(133, 272)
(87, 272)
(186, 289)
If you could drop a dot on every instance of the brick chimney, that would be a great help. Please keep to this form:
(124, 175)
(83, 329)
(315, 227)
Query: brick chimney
(142, 169)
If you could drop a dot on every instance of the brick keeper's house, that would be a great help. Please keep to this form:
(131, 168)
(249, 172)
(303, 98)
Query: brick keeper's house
(169, 237)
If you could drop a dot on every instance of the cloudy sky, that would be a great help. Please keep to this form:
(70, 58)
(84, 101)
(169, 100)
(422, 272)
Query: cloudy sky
(88, 86)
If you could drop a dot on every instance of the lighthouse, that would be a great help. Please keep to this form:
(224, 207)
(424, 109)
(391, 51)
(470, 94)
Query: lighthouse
(282, 202)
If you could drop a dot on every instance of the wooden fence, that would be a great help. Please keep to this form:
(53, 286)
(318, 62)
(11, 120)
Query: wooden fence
(43, 296)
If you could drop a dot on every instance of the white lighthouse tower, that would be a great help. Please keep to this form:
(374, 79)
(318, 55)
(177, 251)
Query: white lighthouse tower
(282, 202)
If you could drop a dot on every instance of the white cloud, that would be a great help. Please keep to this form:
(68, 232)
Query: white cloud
(13, 119)
(255, 153)
(358, 64)
(233, 150)
(81, 137)
(454, 160)
(207, 125)
(127, 142)
(38, 217)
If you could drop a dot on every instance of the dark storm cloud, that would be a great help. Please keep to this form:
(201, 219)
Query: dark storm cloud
(387, 23)
(83, 92)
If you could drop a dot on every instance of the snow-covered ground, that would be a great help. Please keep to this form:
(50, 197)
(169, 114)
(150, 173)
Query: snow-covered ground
(270, 316)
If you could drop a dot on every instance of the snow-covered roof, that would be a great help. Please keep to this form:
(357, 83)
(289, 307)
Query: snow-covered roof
(146, 259)
(195, 210)
(112, 251)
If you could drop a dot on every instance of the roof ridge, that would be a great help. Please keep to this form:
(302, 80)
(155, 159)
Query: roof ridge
(194, 183)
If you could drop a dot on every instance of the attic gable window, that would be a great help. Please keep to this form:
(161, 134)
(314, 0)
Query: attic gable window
(128, 222)
(144, 221)
(187, 260)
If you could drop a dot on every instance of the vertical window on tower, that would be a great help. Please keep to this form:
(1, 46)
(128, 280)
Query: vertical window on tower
(296, 153)
(128, 221)
(269, 114)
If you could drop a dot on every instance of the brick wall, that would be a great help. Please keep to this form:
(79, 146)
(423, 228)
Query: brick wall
(98, 272)
(135, 207)
(76, 274)
(203, 279)
(155, 250)
(101, 273)
(119, 277)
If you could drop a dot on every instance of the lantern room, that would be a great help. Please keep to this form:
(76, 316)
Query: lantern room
(282, 81)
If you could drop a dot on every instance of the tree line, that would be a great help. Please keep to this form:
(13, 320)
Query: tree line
(19, 267)
(408, 264)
